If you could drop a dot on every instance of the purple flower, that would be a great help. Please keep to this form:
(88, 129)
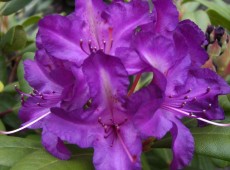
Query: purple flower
(175, 49)
(197, 98)
(164, 41)
(93, 26)
(106, 124)
(56, 83)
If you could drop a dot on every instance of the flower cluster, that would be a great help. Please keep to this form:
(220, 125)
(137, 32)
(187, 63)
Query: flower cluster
(82, 93)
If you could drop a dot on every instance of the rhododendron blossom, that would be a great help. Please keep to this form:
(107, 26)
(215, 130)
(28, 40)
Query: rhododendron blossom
(82, 92)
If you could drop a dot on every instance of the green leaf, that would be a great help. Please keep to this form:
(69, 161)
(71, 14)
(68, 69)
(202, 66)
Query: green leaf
(8, 103)
(13, 149)
(13, 6)
(158, 159)
(31, 21)
(217, 19)
(3, 70)
(190, 6)
(14, 39)
(2, 126)
(220, 9)
(224, 103)
(41, 160)
(220, 163)
(24, 86)
(213, 141)
(200, 162)
(10, 88)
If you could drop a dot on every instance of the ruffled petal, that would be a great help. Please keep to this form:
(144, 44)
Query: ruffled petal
(54, 145)
(58, 70)
(75, 127)
(157, 126)
(60, 36)
(115, 156)
(124, 23)
(167, 16)
(204, 82)
(145, 106)
(156, 50)
(77, 92)
(194, 38)
(107, 79)
(177, 75)
(39, 78)
(131, 60)
(182, 145)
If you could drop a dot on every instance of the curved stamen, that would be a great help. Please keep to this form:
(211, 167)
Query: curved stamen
(131, 157)
(26, 126)
(21, 92)
(81, 45)
(194, 116)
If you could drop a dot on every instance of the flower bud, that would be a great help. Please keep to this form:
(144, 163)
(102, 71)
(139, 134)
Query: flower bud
(218, 48)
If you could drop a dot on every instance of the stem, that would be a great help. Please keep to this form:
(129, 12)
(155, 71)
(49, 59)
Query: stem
(132, 89)
(5, 112)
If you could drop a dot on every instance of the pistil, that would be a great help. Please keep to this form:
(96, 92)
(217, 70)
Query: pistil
(191, 115)
(26, 126)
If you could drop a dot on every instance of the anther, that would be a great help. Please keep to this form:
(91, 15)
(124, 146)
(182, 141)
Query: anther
(204, 111)
(186, 97)
(189, 90)
(90, 46)
(191, 114)
(209, 105)
(104, 44)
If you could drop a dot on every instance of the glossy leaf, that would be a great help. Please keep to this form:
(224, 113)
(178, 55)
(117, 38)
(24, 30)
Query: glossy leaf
(217, 19)
(14, 39)
(222, 10)
(31, 21)
(13, 6)
(41, 160)
(224, 103)
(13, 149)
(24, 86)
(3, 70)
(213, 141)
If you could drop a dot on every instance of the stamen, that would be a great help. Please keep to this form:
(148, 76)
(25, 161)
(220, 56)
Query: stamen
(104, 43)
(22, 99)
(194, 116)
(210, 105)
(90, 46)
(26, 126)
(186, 97)
(132, 158)
(81, 45)
(20, 92)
